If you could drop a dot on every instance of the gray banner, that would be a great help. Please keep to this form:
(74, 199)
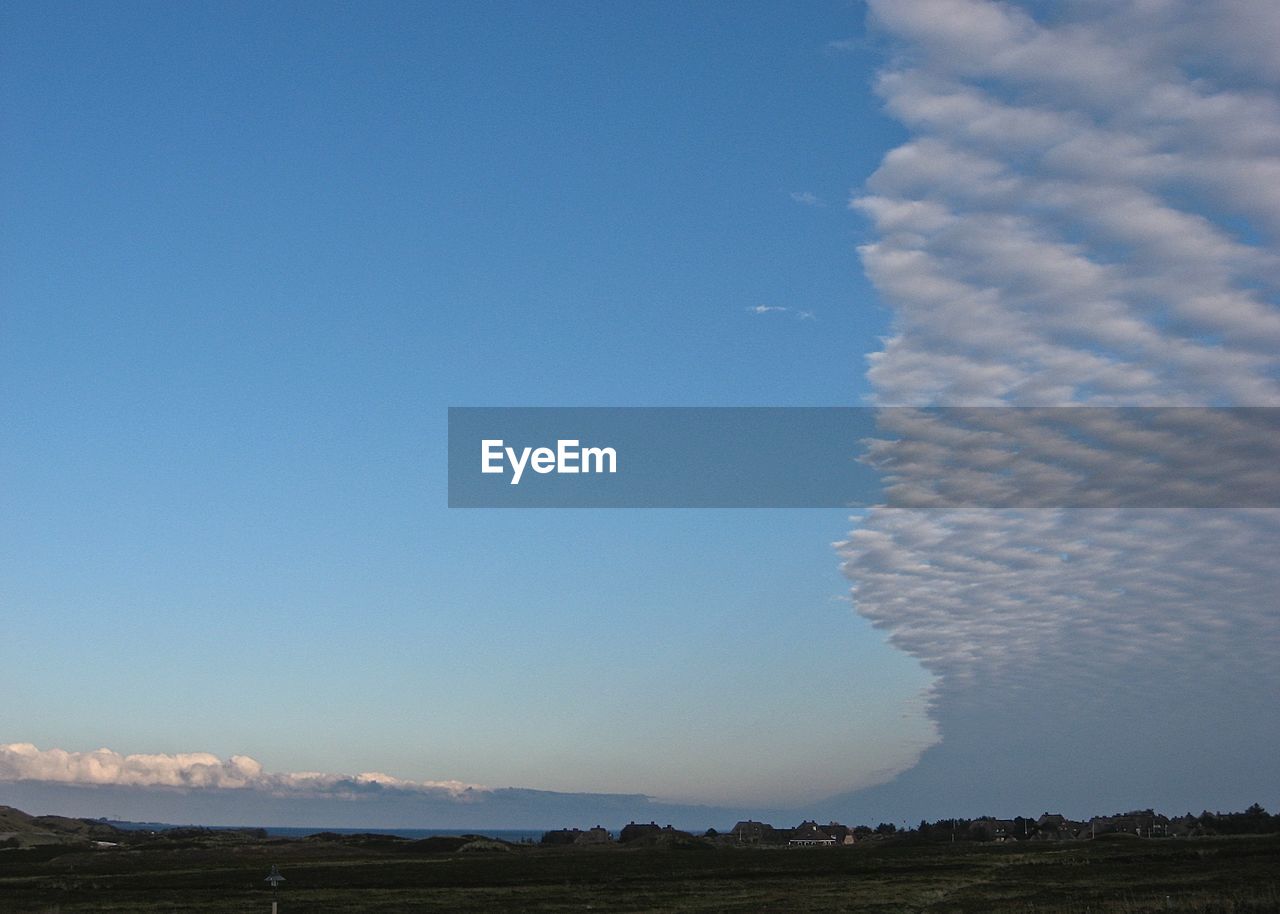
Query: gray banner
(847, 457)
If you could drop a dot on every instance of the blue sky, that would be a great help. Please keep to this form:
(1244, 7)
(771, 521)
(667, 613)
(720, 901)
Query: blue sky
(251, 255)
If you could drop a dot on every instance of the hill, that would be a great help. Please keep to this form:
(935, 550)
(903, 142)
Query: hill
(18, 829)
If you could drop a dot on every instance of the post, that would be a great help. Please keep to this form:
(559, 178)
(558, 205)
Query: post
(275, 879)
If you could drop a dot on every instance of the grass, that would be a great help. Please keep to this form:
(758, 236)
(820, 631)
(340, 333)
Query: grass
(1238, 875)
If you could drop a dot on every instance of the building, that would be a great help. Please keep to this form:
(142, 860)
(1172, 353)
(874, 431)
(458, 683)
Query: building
(999, 830)
(843, 835)
(807, 834)
(633, 830)
(1143, 823)
(597, 835)
(752, 833)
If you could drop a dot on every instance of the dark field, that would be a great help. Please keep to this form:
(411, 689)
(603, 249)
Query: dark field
(1238, 874)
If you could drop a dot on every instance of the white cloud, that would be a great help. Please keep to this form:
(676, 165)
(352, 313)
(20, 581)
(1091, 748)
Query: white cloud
(1068, 600)
(197, 770)
(1078, 210)
(1078, 457)
(1086, 212)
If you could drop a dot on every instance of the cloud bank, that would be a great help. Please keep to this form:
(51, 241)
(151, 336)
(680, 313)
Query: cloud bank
(1086, 211)
(201, 771)
(203, 788)
(1080, 456)
(1085, 214)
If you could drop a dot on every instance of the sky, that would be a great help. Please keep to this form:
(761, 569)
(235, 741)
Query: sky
(251, 256)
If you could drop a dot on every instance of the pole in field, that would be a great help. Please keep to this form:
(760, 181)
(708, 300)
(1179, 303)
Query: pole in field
(275, 879)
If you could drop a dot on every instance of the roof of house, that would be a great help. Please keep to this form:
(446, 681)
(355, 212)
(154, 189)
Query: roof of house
(809, 831)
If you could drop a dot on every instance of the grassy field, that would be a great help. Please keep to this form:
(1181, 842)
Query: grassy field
(327, 877)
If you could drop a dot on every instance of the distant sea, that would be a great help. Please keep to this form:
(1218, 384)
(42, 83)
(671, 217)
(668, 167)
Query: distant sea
(513, 835)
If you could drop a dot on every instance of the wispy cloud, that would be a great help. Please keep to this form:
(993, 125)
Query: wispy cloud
(797, 313)
(807, 198)
(846, 45)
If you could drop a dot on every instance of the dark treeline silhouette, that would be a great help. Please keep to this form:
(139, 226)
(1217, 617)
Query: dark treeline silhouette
(1138, 823)
(1143, 823)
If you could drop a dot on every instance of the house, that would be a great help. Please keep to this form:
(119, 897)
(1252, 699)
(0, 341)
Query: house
(633, 830)
(597, 835)
(843, 835)
(561, 836)
(751, 833)
(807, 834)
(1184, 827)
(1144, 823)
(998, 830)
(1055, 827)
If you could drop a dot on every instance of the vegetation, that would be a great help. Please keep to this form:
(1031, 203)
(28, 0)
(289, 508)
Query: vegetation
(918, 870)
(338, 875)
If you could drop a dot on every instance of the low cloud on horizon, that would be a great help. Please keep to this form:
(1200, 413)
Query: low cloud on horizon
(202, 771)
(199, 787)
